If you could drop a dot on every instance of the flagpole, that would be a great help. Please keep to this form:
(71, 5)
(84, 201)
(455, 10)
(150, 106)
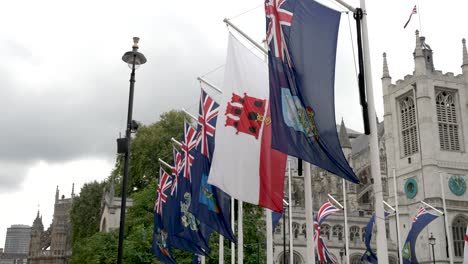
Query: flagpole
(419, 16)
(291, 247)
(345, 210)
(202, 259)
(269, 236)
(233, 245)
(397, 217)
(382, 252)
(309, 214)
(240, 232)
(448, 239)
(221, 250)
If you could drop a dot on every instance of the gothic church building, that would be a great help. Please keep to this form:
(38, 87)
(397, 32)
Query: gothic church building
(423, 139)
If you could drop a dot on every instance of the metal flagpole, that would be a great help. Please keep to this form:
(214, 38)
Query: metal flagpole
(448, 237)
(233, 245)
(221, 250)
(382, 252)
(240, 232)
(202, 259)
(309, 214)
(345, 210)
(397, 216)
(269, 236)
(291, 247)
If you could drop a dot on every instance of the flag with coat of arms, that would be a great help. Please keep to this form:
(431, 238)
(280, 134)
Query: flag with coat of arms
(244, 165)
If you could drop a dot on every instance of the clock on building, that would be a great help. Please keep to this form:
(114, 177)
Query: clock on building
(411, 188)
(457, 184)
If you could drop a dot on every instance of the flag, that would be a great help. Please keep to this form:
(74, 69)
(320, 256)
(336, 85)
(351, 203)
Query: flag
(325, 210)
(323, 253)
(209, 204)
(160, 247)
(414, 11)
(275, 217)
(369, 255)
(302, 39)
(465, 258)
(244, 165)
(190, 227)
(421, 220)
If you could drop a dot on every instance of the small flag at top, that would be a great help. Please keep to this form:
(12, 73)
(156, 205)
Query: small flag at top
(414, 11)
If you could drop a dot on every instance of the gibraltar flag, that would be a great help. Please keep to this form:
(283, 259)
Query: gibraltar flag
(465, 258)
(244, 165)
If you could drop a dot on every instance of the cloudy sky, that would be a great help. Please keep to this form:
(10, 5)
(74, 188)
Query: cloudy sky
(64, 88)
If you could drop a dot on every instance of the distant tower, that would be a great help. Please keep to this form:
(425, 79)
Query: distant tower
(35, 248)
(426, 133)
(351, 188)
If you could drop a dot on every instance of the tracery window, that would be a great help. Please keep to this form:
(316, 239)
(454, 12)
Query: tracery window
(325, 231)
(337, 231)
(458, 231)
(354, 233)
(363, 232)
(409, 132)
(447, 121)
(295, 227)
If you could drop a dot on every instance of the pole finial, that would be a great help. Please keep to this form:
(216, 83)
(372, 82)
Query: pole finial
(386, 73)
(135, 42)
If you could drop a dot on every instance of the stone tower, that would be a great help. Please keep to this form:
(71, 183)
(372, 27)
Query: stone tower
(426, 135)
(57, 238)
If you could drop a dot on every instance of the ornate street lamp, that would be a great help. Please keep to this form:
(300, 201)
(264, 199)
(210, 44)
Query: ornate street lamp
(432, 243)
(134, 59)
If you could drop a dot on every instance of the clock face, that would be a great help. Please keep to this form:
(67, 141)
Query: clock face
(411, 188)
(457, 184)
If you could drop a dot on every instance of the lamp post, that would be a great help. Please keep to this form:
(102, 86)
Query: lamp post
(133, 59)
(432, 243)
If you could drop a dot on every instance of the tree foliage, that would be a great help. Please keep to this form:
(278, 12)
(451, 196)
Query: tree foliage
(150, 143)
(85, 211)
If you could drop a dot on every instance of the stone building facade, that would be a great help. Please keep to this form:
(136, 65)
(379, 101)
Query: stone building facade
(424, 135)
(52, 246)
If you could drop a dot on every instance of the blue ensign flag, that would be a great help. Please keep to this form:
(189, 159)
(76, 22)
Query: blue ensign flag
(369, 255)
(420, 221)
(302, 37)
(161, 246)
(191, 228)
(210, 205)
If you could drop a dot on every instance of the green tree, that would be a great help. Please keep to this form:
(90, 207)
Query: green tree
(149, 144)
(85, 211)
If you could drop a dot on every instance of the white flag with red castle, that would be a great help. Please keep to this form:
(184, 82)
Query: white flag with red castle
(244, 165)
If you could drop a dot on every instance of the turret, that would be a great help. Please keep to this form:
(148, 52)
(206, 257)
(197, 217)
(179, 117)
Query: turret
(56, 194)
(386, 79)
(419, 61)
(465, 61)
(37, 229)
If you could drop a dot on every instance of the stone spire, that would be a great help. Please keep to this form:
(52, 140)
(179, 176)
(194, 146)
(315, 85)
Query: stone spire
(56, 194)
(343, 136)
(386, 73)
(465, 53)
(418, 49)
(419, 60)
(73, 190)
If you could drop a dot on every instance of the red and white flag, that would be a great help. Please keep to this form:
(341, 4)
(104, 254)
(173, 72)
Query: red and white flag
(244, 165)
(465, 258)
(414, 11)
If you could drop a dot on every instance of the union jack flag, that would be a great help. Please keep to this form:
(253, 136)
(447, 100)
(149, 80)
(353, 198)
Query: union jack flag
(325, 210)
(176, 169)
(278, 17)
(208, 111)
(165, 183)
(323, 253)
(189, 143)
(421, 211)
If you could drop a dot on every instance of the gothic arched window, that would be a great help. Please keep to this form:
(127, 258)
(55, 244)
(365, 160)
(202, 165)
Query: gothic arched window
(354, 233)
(356, 259)
(337, 231)
(458, 231)
(325, 231)
(304, 230)
(295, 227)
(363, 232)
(409, 131)
(447, 121)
